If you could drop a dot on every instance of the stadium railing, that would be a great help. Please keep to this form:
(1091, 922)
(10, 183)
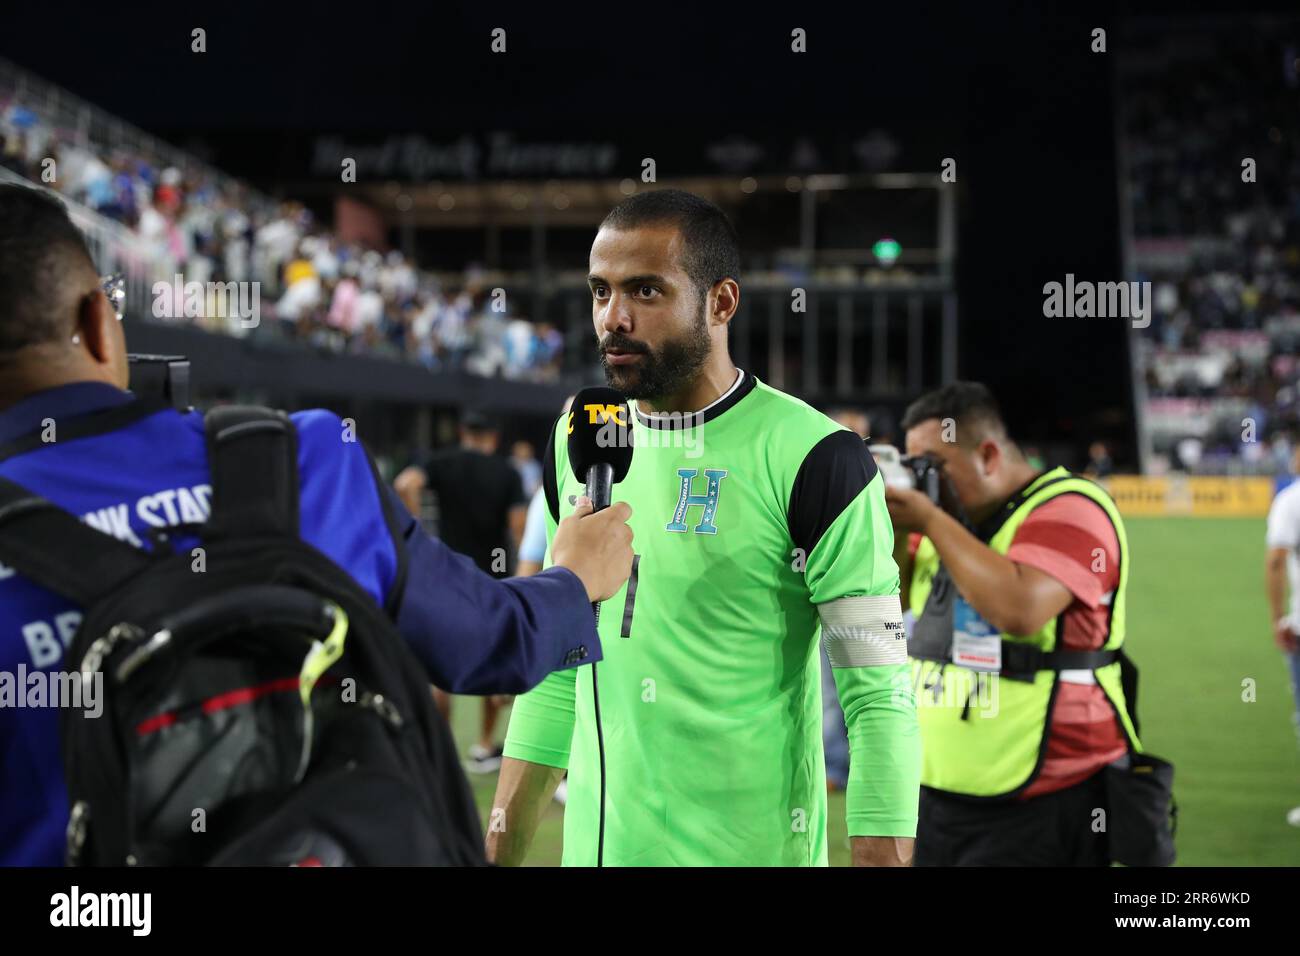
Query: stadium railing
(89, 124)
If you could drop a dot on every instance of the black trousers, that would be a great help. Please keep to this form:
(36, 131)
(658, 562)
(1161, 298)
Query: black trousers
(1055, 829)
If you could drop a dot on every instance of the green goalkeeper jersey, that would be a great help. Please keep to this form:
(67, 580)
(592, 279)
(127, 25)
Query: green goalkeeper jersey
(758, 523)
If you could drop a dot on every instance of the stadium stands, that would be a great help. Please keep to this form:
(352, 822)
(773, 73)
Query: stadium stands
(185, 218)
(1223, 254)
(850, 301)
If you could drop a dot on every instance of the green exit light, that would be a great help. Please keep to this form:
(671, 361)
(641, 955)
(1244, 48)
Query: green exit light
(886, 251)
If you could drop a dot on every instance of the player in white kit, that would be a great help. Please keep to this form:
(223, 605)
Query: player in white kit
(1283, 569)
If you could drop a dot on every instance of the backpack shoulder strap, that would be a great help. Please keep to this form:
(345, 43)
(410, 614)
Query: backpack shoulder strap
(253, 457)
(84, 426)
(56, 550)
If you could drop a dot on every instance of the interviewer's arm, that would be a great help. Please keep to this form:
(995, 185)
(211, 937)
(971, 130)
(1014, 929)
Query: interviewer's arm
(476, 634)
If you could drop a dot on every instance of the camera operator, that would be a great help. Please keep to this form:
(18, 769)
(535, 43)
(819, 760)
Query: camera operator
(71, 433)
(1018, 583)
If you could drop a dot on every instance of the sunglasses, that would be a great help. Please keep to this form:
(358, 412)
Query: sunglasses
(114, 287)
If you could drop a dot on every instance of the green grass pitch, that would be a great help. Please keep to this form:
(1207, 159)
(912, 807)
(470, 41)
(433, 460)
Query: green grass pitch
(1198, 630)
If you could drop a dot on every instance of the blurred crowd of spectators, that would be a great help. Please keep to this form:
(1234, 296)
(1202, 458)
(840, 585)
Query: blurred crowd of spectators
(327, 293)
(1222, 254)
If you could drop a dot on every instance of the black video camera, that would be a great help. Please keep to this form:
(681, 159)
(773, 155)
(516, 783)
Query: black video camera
(163, 378)
(921, 472)
(909, 471)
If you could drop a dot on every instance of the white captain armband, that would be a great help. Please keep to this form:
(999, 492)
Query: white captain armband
(863, 631)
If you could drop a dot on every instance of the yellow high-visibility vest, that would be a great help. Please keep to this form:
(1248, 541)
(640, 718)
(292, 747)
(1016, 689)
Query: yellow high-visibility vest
(985, 734)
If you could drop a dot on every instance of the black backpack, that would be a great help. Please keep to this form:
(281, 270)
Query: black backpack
(259, 708)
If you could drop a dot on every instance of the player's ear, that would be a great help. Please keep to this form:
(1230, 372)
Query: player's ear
(725, 297)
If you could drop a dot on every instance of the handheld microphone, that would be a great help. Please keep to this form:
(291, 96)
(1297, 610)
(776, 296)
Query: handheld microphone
(600, 454)
(600, 442)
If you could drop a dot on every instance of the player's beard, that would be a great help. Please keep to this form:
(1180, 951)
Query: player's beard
(666, 371)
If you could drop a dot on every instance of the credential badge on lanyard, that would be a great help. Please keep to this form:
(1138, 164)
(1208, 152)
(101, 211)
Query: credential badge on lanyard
(975, 643)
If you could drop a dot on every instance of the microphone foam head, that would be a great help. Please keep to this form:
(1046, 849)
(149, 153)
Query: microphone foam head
(600, 432)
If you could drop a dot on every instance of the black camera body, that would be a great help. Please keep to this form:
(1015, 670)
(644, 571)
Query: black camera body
(925, 476)
(164, 378)
(910, 471)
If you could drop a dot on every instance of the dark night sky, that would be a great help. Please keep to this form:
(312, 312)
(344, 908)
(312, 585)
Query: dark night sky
(430, 65)
(1010, 90)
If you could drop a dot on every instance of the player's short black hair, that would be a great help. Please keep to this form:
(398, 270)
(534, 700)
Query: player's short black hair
(712, 251)
(40, 248)
(970, 404)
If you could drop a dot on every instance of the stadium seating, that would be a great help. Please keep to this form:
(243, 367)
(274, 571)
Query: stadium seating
(1222, 254)
(183, 217)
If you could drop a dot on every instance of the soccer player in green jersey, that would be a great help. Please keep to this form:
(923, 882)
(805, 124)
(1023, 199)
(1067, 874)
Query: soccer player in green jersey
(759, 523)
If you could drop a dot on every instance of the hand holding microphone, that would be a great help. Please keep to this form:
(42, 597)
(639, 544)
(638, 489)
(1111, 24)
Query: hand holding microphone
(596, 546)
(595, 541)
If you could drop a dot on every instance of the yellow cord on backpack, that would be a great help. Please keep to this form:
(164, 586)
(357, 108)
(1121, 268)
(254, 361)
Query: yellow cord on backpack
(319, 659)
(323, 654)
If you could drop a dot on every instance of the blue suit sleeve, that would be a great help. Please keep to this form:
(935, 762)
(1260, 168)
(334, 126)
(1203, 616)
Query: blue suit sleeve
(476, 634)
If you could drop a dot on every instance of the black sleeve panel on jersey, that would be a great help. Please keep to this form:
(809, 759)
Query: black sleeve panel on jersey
(549, 485)
(832, 475)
